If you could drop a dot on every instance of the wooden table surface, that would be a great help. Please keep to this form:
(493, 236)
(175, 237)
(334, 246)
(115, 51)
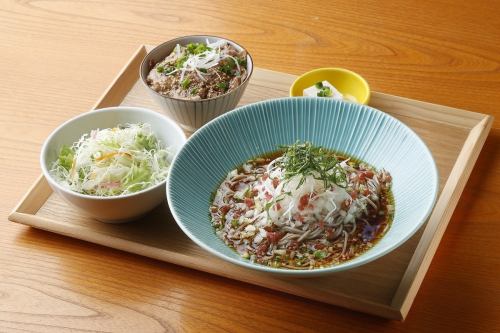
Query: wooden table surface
(58, 56)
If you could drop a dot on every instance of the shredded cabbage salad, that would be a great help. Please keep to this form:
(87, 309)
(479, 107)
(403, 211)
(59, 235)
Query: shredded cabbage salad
(113, 161)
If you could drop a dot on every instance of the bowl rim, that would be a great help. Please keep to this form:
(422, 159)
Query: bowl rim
(113, 109)
(317, 271)
(144, 64)
(334, 69)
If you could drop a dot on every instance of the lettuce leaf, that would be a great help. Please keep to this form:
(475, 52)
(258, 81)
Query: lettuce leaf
(66, 156)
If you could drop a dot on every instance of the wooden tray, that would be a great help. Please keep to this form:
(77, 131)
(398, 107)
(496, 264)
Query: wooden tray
(385, 287)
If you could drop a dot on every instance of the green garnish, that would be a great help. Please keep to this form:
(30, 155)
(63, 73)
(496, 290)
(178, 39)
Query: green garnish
(147, 142)
(180, 62)
(279, 198)
(242, 62)
(319, 85)
(319, 254)
(185, 83)
(304, 159)
(353, 164)
(81, 174)
(194, 91)
(222, 86)
(66, 156)
(325, 92)
(160, 69)
(203, 70)
(248, 193)
(234, 223)
(228, 66)
(197, 48)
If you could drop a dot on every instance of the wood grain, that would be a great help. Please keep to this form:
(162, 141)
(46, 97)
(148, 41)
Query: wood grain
(64, 53)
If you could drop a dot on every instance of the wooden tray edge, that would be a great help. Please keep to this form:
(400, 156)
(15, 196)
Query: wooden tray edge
(124, 81)
(30, 203)
(462, 118)
(442, 213)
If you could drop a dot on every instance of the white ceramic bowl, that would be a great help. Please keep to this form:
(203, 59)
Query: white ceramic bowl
(117, 208)
(191, 115)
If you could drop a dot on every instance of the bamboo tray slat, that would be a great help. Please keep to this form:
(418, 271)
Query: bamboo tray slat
(385, 287)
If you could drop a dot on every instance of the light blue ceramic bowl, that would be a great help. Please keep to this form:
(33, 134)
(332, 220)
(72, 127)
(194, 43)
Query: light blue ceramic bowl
(357, 130)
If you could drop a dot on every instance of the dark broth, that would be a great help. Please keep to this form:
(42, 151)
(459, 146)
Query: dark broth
(325, 252)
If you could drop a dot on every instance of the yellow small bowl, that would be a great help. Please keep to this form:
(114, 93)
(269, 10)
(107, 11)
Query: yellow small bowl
(346, 81)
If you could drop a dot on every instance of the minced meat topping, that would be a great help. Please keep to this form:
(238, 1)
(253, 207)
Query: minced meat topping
(199, 71)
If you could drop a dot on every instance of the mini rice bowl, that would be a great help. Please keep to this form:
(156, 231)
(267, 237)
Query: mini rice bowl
(192, 114)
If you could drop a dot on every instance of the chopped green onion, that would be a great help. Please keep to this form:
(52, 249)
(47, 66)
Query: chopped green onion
(319, 85)
(319, 254)
(248, 193)
(228, 66)
(222, 86)
(180, 62)
(234, 223)
(197, 48)
(185, 83)
(325, 92)
(242, 62)
(160, 69)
